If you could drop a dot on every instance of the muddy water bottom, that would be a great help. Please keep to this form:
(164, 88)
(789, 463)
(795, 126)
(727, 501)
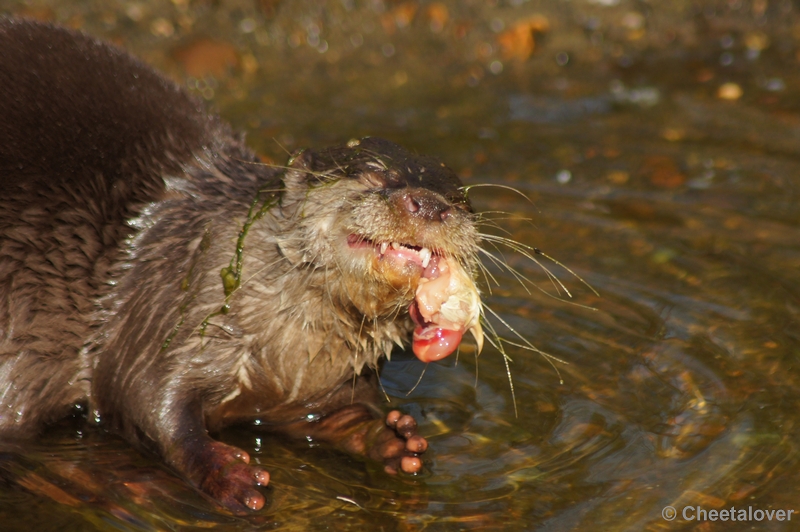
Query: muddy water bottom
(640, 168)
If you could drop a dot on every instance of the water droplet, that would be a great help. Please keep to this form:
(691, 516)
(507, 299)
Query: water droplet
(247, 25)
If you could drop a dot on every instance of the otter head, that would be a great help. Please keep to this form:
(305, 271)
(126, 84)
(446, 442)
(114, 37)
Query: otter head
(397, 230)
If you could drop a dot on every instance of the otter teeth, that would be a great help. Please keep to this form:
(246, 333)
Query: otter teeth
(425, 253)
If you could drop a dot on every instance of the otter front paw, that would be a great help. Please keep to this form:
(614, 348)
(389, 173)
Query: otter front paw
(397, 444)
(224, 472)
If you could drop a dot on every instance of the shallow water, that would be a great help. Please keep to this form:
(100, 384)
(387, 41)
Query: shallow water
(658, 152)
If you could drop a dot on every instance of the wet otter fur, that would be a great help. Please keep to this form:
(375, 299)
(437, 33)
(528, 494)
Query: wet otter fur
(153, 269)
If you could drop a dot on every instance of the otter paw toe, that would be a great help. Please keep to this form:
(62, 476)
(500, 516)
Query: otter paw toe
(400, 445)
(231, 479)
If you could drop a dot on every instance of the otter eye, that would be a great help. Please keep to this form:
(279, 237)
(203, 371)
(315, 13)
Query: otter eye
(373, 179)
(461, 203)
(391, 178)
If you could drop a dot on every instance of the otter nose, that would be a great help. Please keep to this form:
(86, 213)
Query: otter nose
(426, 204)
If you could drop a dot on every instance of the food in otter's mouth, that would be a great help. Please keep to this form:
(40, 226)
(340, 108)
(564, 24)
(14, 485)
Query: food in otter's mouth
(446, 304)
(446, 301)
(151, 267)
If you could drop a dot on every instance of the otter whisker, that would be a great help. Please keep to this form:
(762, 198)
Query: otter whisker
(499, 262)
(281, 146)
(496, 341)
(321, 176)
(481, 219)
(467, 188)
(376, 158)
(493, 225)
(535, 350)
(557, 284)
(507, 216)
(338, 166)
(262, 270)
(487, 275)
(476, 367)
(419, 380)
(355, 356)
(543, 254)
(380, 385)
(526, 251)
(378, 370)
(550, 358)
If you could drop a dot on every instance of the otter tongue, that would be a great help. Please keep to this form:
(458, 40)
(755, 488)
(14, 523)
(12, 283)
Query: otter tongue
(434, 343)
(446, 304)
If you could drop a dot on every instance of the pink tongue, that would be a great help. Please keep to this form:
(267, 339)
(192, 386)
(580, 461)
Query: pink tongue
(431, 343)
(434, 343)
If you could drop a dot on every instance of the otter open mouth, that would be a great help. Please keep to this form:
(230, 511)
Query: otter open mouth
(395, 250)
(446, 301)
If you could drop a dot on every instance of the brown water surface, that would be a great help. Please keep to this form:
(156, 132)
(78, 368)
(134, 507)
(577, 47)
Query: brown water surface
(658, 151)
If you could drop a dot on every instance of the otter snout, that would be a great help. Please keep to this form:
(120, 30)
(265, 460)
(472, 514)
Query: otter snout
(423, 204)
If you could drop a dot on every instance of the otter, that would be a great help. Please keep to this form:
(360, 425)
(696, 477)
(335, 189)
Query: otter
(152, 269)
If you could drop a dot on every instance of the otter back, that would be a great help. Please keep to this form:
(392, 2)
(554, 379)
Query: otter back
(86, 133)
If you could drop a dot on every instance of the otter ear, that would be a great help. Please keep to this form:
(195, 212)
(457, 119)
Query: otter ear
(295, 186)
(299, 168)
